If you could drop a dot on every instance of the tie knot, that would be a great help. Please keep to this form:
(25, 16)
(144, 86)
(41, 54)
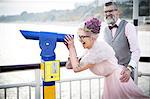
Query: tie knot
(114, 26)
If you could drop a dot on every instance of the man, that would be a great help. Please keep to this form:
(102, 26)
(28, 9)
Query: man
(122, 36)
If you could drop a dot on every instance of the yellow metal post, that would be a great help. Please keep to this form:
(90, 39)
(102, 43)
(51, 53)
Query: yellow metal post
(50, 71)
(49, 92)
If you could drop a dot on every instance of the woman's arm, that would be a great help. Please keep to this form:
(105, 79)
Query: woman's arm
(82, 68)
(73, 56)
(75, 62)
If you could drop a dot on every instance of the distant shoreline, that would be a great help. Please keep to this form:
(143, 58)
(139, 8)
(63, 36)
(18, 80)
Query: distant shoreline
(142, 27)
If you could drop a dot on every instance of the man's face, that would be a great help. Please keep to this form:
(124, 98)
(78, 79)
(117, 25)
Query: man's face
(111, 14)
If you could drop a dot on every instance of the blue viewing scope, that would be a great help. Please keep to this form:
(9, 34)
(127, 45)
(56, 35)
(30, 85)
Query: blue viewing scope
(35, 35)
(47, 42)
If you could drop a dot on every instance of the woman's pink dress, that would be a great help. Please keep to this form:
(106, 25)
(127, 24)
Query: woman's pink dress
(103, 56)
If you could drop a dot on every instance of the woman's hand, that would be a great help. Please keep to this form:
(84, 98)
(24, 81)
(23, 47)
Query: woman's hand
(69, 41)
(77, 69)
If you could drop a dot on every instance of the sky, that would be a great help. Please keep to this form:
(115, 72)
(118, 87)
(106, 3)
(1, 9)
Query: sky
(12, 7)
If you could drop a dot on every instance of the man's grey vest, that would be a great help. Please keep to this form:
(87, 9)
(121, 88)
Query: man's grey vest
(119, 43)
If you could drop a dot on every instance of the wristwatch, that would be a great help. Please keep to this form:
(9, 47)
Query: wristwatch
(130, 68)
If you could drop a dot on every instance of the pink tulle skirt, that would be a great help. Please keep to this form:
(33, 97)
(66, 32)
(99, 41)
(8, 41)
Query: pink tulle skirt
(115, 89)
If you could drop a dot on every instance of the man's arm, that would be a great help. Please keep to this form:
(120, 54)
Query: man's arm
(131, 34)
(132, 37)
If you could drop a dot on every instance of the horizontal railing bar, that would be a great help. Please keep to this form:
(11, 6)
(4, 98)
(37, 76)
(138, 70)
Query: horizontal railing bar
(33, 84)
(2, 86)
(144, 59)
(143, 74)
(76, 79)
(9, 68)
(146, 74)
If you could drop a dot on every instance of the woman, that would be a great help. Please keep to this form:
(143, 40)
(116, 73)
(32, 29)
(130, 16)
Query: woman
(100, 59)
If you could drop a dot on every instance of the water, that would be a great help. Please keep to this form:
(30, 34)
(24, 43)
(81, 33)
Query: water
(15, 49)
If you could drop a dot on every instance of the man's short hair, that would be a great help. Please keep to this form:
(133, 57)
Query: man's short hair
(111, 3)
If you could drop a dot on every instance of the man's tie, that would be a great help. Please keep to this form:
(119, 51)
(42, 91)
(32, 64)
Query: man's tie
(114, 26)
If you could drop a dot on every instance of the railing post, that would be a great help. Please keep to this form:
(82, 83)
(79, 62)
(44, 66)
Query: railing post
(38, 84)
(135, 21)
(136, 75)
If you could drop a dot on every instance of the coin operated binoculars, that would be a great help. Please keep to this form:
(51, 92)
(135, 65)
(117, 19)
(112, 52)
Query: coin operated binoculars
(50, 68)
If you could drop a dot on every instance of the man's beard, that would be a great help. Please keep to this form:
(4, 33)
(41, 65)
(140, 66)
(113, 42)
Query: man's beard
(110, 21)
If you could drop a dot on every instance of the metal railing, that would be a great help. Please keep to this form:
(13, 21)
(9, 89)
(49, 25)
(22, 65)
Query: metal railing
(65, 89)
(4, 89)
(61, 86)
(81, 88)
